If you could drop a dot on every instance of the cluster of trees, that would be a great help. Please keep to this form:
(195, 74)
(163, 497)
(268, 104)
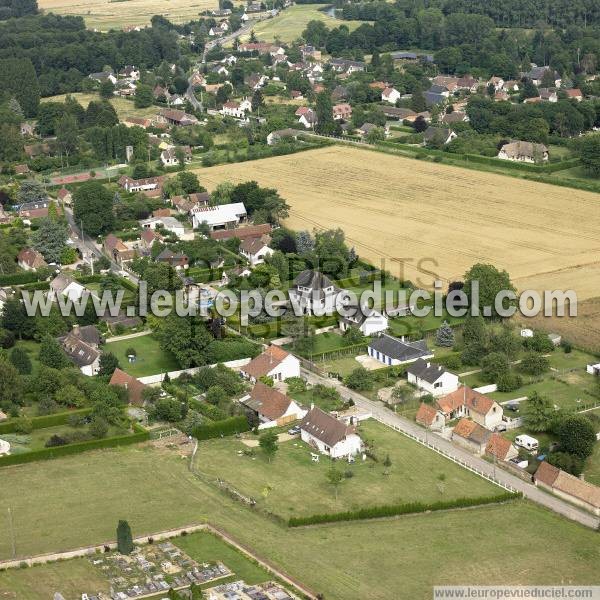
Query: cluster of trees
(575, 432)
(62, 52)
(532, 122)
(464, 42)
(17, 8)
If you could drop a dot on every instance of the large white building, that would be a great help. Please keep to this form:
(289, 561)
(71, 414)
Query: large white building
(328, 435)
(223, 216)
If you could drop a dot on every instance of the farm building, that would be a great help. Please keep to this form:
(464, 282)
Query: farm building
(224, 216)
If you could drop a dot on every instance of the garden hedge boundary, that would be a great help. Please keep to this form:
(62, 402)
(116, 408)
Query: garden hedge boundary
(487, 160)
(393, 510)
(222, 428)
(140, 435)
(46, 421)
(20, 278)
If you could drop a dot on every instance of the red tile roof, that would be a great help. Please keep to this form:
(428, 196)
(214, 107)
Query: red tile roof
(273, 403)
(265, 362)
(131, 384)
(498, 446)
(426, 414)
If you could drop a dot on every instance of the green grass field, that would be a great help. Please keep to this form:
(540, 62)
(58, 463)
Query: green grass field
(84, 496)
(125, 108)
(416, 474)
(150, 358)
(289, 25)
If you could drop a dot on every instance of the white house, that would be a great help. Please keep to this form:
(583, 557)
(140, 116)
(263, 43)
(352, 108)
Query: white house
(169, 157)
(237, 110)
(367, 320)
(392, 351)
(273, 408)
(391, 95)
(67, 287)
(168, 223)
(313, 293)
(328, 435)
(274, 362)
(255, 250)
(81, 346)
(223, 216)
(524, 152)
(431, 378)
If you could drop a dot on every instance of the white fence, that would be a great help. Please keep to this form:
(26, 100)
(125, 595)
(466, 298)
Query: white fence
(458, 461)
(158, 378)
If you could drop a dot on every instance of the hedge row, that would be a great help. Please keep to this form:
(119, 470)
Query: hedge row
(487, 160)
(19, 278)
(222, 428)
(53, 420)
(204, 275)
(393, 510)
(139, 435)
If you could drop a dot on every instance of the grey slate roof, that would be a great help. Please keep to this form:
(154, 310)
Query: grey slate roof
(313, 280)
(399, 350)
(426, 371)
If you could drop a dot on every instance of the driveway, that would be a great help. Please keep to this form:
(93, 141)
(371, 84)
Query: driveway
(464, 458)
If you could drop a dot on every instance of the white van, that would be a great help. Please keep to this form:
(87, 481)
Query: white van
(527, 442)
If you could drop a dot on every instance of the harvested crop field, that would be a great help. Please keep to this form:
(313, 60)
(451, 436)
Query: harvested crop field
(448, 218)
(117, 14)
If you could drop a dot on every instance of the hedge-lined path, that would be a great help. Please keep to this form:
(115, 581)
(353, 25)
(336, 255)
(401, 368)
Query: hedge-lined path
(462, 457)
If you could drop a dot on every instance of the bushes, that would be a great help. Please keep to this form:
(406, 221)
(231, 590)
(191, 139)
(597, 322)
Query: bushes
(46, 421)
(139, 435)
(19, 278)
(220, 351)
(222, 428)
(399, 509)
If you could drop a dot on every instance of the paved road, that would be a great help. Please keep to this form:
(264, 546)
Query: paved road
(387, 417)
(88, 248)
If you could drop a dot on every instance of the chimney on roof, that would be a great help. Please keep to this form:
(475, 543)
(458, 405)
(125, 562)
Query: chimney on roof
(76, 329)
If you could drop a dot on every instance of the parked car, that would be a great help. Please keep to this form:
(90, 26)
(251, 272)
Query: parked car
(501, 427)
(514, 406)
(294, 430)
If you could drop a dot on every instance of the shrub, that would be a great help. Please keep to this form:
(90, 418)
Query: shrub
(509, 382)
(222, 428)
(534, 364)
(296, 385)
(399, 509)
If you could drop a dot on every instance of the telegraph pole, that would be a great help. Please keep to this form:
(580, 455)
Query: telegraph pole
(12, 533)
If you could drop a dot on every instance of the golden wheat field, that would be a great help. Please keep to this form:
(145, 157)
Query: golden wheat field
(545, 236)
(106, 14)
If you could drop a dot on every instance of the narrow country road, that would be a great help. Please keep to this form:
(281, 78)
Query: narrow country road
(491, 471)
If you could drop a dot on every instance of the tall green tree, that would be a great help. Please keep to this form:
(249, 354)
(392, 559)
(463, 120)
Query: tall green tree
(52, 355)
(324, 111)
(538, 413)
(268, 442)
(20, 360)
(50, 239)
(93, 206)
(577, 436)
(19, 79)
(124, 538)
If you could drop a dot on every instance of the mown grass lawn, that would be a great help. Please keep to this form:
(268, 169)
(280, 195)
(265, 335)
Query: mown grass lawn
(290, 23)
(206, 547)
(150, 360)
(292, 484)
(77, 501)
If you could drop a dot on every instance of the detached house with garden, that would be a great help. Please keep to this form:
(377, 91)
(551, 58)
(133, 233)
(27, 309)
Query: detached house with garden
(274, 362)
(328, 435)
